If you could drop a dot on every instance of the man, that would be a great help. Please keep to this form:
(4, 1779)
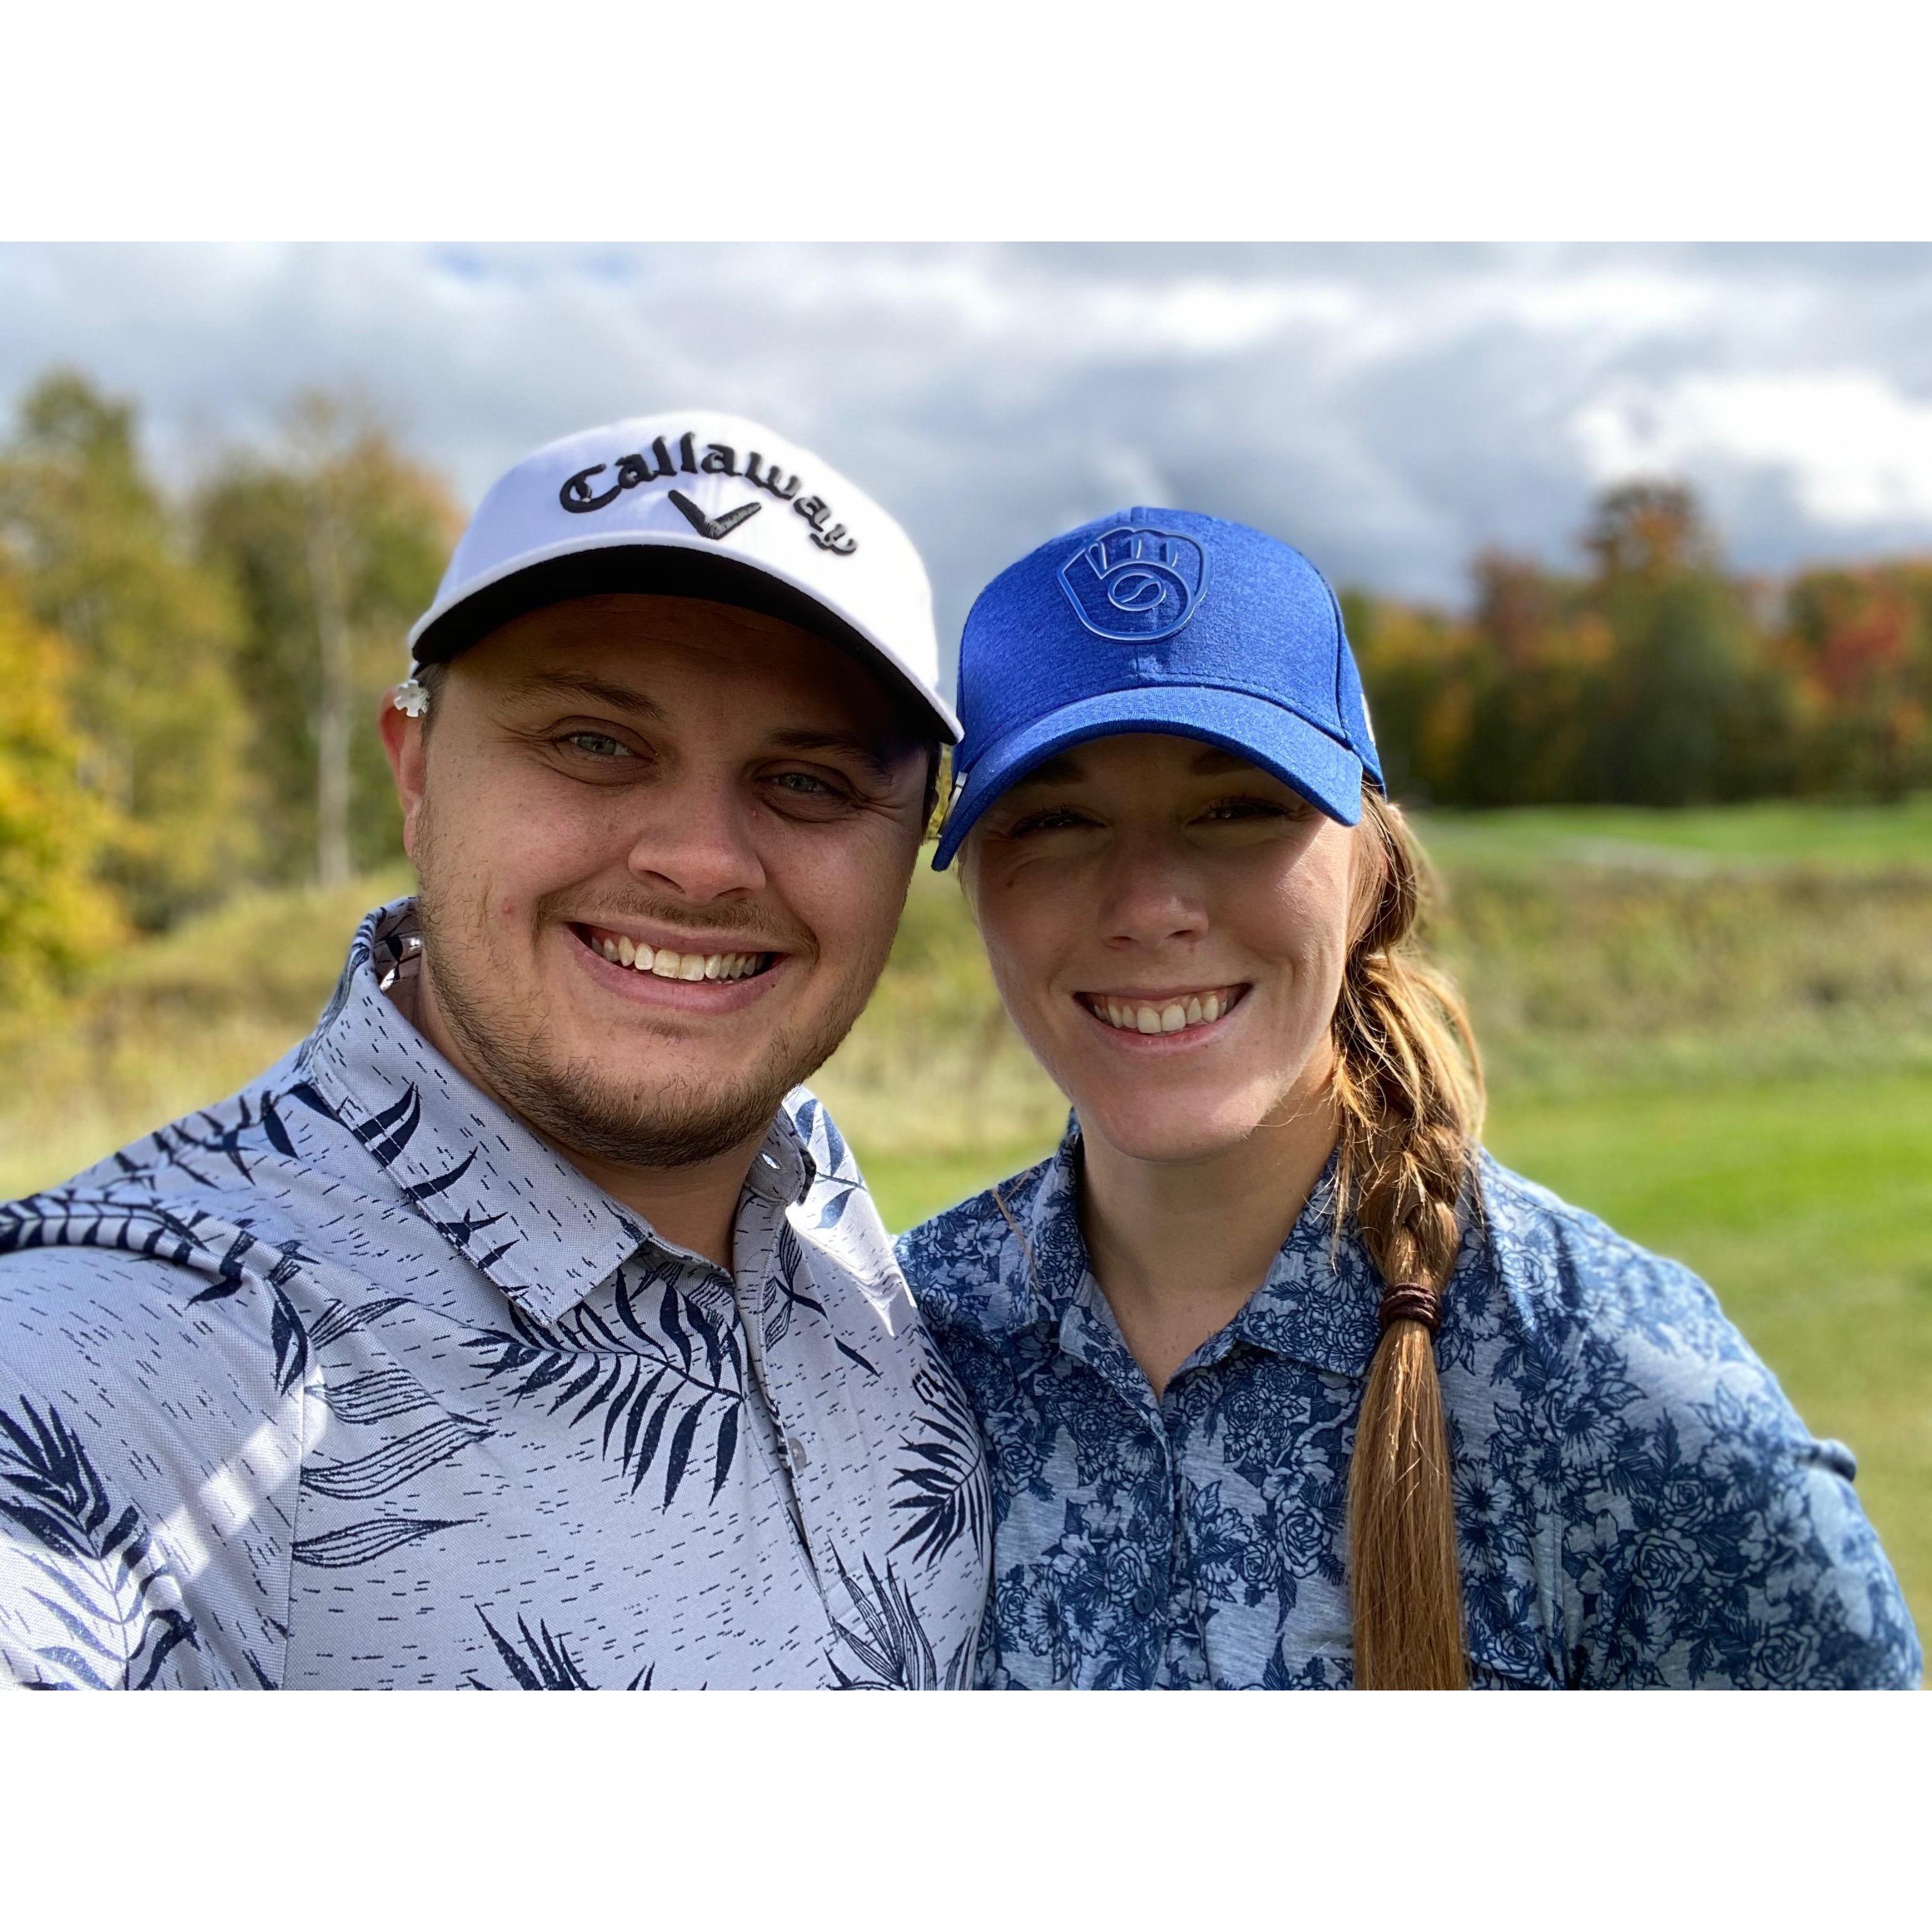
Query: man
(524, 1326)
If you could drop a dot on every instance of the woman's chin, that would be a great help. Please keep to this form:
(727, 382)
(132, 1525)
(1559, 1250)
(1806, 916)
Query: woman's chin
(1167, 1135)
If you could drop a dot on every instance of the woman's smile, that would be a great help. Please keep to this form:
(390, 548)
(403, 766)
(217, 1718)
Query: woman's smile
(1196, 1012)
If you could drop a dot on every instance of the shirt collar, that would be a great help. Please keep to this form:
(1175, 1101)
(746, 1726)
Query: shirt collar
(1318, 1305)
(504, 1200)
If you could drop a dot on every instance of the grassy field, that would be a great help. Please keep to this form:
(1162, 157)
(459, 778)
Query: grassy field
(1714, 1028)
(1775, 834)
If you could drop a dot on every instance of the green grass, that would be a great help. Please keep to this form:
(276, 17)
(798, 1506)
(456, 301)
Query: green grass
(1777, 833)
(1714, 1028)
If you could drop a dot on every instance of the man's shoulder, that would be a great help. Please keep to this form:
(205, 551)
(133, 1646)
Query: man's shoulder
(199, 1215)
(125, 1285)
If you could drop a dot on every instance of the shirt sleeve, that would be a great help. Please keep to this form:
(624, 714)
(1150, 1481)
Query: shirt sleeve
(147, 1467)
(1711, 1540)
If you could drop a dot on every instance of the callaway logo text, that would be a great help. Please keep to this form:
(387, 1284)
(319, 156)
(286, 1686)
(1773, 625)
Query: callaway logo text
(719, 459)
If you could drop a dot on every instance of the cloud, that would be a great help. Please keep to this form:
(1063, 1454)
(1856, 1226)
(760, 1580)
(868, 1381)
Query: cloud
(1388, 408)
(1851, 448)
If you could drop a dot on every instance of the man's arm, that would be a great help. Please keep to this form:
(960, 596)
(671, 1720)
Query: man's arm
(148, 1467)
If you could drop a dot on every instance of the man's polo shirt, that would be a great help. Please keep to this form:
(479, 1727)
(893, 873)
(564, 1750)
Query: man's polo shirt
(351, 1380)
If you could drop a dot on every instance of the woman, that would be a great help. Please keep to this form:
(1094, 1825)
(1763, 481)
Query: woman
(1283, 1381)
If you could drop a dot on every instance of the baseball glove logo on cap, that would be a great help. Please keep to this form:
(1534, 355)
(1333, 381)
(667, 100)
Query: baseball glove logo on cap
(1135, 585)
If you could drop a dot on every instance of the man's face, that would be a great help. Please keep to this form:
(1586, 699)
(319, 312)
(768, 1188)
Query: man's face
(729, 805)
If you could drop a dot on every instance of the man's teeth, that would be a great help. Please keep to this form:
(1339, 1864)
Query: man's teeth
(1136, 1016)
(663, 963)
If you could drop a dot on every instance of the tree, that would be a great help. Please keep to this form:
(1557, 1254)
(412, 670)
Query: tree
(1686, 706)
(1859, 644)
(99, 559)
(56, 916)
(334, 543)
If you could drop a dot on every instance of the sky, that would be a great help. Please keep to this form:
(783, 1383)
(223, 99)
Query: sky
(1390, 410)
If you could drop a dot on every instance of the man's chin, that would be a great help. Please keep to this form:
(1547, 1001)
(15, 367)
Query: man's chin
(657, 1103)
(676, 1124)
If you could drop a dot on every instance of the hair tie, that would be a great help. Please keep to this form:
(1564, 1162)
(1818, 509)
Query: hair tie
(1412, 1301)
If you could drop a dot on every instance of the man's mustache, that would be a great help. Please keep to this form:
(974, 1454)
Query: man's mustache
(757, 924)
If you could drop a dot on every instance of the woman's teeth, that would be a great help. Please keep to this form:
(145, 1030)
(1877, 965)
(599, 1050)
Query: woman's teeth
(663, 963)
(1172, 1016)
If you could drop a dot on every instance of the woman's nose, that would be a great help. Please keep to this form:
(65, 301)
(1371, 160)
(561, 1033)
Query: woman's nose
(1152, 895)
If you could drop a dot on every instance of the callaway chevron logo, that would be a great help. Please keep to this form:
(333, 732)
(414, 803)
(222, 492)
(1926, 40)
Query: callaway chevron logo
(716, 528)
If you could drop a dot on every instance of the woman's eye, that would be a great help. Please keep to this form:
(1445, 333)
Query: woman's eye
(1054, 818)
(1230, 810)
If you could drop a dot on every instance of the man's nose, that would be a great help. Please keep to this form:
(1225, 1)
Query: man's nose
(697, 842)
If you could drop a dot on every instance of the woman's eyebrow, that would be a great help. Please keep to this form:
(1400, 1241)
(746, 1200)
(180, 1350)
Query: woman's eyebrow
(1064, 770)
(1211, 761)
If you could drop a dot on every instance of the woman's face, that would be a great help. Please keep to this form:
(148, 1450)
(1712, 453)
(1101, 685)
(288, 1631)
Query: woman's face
(1168, 926)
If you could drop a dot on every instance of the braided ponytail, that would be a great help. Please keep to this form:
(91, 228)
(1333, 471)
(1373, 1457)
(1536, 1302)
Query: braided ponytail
(1408, 1091)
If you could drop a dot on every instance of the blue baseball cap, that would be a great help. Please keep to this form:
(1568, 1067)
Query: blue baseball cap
(1162, 621)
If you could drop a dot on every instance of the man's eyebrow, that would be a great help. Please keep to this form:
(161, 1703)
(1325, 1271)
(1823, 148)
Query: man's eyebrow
(801, 738)
(580, 684)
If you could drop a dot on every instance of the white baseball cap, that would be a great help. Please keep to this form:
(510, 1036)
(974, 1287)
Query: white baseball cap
(693, 504)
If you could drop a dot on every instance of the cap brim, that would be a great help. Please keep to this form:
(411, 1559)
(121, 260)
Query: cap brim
(664, 568)
(1325, 772)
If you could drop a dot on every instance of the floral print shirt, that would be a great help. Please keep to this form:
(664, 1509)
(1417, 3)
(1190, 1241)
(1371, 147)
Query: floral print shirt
(1637, 1503)
(350, 1381)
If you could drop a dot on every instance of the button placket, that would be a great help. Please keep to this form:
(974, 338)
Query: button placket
(755, 1288)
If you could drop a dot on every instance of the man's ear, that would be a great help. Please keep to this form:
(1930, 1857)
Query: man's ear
(402, 741)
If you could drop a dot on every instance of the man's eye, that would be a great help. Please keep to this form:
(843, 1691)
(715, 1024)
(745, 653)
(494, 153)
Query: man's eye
(598, 745)
(810, 793)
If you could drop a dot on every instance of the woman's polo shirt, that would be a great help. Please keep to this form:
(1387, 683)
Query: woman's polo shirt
(1637, 1503)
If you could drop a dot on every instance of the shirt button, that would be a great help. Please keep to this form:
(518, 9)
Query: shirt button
(1146, 1600)
(795, 1454)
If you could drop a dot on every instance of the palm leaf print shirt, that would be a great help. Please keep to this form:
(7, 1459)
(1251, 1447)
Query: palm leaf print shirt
(1635, 1502)
(351, 1382)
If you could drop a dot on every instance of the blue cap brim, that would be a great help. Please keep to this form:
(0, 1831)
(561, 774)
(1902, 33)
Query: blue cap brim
(1325, 772)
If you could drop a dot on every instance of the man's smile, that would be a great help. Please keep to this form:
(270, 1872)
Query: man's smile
(694, 977)
(691, 961)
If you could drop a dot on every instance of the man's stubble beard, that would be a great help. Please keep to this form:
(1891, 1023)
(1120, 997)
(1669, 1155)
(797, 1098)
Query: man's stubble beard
(574, 1104)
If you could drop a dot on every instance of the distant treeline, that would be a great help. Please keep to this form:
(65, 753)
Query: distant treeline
(188, 681)
(1653, 676)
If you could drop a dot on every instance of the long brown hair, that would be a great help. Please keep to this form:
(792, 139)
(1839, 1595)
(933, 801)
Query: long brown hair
(1408, 1089)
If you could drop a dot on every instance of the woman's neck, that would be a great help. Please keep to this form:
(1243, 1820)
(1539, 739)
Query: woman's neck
(1178, 1247)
